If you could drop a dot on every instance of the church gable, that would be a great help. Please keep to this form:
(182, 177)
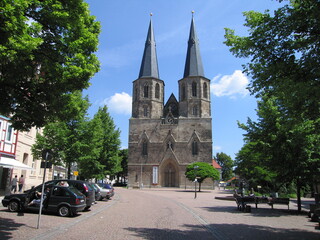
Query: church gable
(169, 154)
(171, 107)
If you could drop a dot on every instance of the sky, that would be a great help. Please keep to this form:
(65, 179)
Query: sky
(124, 26)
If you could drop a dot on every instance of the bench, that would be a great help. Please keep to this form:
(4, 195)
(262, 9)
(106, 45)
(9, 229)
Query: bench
(242, 202)
(312, 213)
(281, 201)
(261, 200)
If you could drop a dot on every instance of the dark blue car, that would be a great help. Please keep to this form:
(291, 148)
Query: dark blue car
(65, 201)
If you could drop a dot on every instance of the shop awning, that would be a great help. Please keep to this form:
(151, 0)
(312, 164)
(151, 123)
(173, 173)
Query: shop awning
(12, 163)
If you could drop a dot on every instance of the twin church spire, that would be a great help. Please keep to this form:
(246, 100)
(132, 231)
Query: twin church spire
(149, 64)
(193, 64)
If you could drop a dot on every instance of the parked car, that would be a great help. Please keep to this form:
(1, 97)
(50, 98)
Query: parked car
(103, 192)
(109, 188)
(82, 186)
(65, 201)
(96, 191)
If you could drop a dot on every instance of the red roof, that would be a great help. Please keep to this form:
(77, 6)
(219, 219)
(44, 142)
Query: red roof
(215, 164)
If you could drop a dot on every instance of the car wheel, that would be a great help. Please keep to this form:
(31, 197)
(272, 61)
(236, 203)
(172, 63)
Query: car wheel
(64, 211)
(13, 206)
(100, 198)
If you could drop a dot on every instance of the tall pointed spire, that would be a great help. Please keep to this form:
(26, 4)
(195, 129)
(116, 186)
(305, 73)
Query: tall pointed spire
(193, 66)
(149, 64)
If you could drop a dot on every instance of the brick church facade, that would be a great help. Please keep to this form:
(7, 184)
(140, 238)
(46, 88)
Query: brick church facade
(166, 137)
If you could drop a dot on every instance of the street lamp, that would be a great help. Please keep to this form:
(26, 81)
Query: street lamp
(195, 180)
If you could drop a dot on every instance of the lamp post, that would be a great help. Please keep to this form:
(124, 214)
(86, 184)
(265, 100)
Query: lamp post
(141, 184)
(195, 180)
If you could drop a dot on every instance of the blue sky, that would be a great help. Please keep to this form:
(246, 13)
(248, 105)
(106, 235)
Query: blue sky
(124, 26)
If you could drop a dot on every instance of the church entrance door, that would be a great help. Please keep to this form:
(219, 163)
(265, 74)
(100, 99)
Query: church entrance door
(170, 176)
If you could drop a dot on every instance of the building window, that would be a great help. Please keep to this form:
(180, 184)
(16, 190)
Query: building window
(33, 165)
(205, 90)
(25, 158)
(194, 148)
(195, 110)
(9, 133)
(145, 111)
(155, 175)
(145, 148)
(170, 145)
(157, 91)
(183, 92)
(194, 89)
(146, 91)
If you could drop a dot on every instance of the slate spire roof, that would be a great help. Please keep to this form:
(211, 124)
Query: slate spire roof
(149, 64)
(193, 66)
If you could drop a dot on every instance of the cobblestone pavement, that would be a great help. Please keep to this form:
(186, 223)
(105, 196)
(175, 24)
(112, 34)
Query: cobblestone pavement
(163, 214)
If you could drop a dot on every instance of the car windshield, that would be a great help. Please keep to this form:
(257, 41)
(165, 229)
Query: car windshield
(105, 185)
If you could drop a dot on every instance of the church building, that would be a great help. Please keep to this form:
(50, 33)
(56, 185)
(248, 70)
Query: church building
(166, 137)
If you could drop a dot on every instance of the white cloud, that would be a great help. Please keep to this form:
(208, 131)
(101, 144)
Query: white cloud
(217, 148)
(230, 85)
(119, 103)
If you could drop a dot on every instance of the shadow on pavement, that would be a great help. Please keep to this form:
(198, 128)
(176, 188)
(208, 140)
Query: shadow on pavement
(7, 226)
(195, 233)
(223, 232)
(248, 232)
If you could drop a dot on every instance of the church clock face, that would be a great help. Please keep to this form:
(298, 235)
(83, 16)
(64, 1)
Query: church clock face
(170, 120)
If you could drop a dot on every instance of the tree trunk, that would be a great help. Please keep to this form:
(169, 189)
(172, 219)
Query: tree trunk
(299, 194)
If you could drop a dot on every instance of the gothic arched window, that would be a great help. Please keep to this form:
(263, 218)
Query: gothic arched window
(195, 150)
(195, 110)
(145, 111)
(194, 89)
(157, 91)
(146, 91)
(145, 148)
(205, 90)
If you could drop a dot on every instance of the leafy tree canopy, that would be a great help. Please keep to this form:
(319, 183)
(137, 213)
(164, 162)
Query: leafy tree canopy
(201, 171)
(102, 154)
(284, 54)
(226, 163)
(46, 53)
(66, 139)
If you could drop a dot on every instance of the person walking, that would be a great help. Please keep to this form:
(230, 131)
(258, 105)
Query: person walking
(14, 184)
(21, 183)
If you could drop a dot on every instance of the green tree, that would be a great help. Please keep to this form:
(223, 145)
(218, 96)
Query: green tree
(278, 150)
(124, 165)
(284, 54)
(250, 167)
(106, 143)
(46, 53)
(201, 171)
(226, 163)
(65, 139)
